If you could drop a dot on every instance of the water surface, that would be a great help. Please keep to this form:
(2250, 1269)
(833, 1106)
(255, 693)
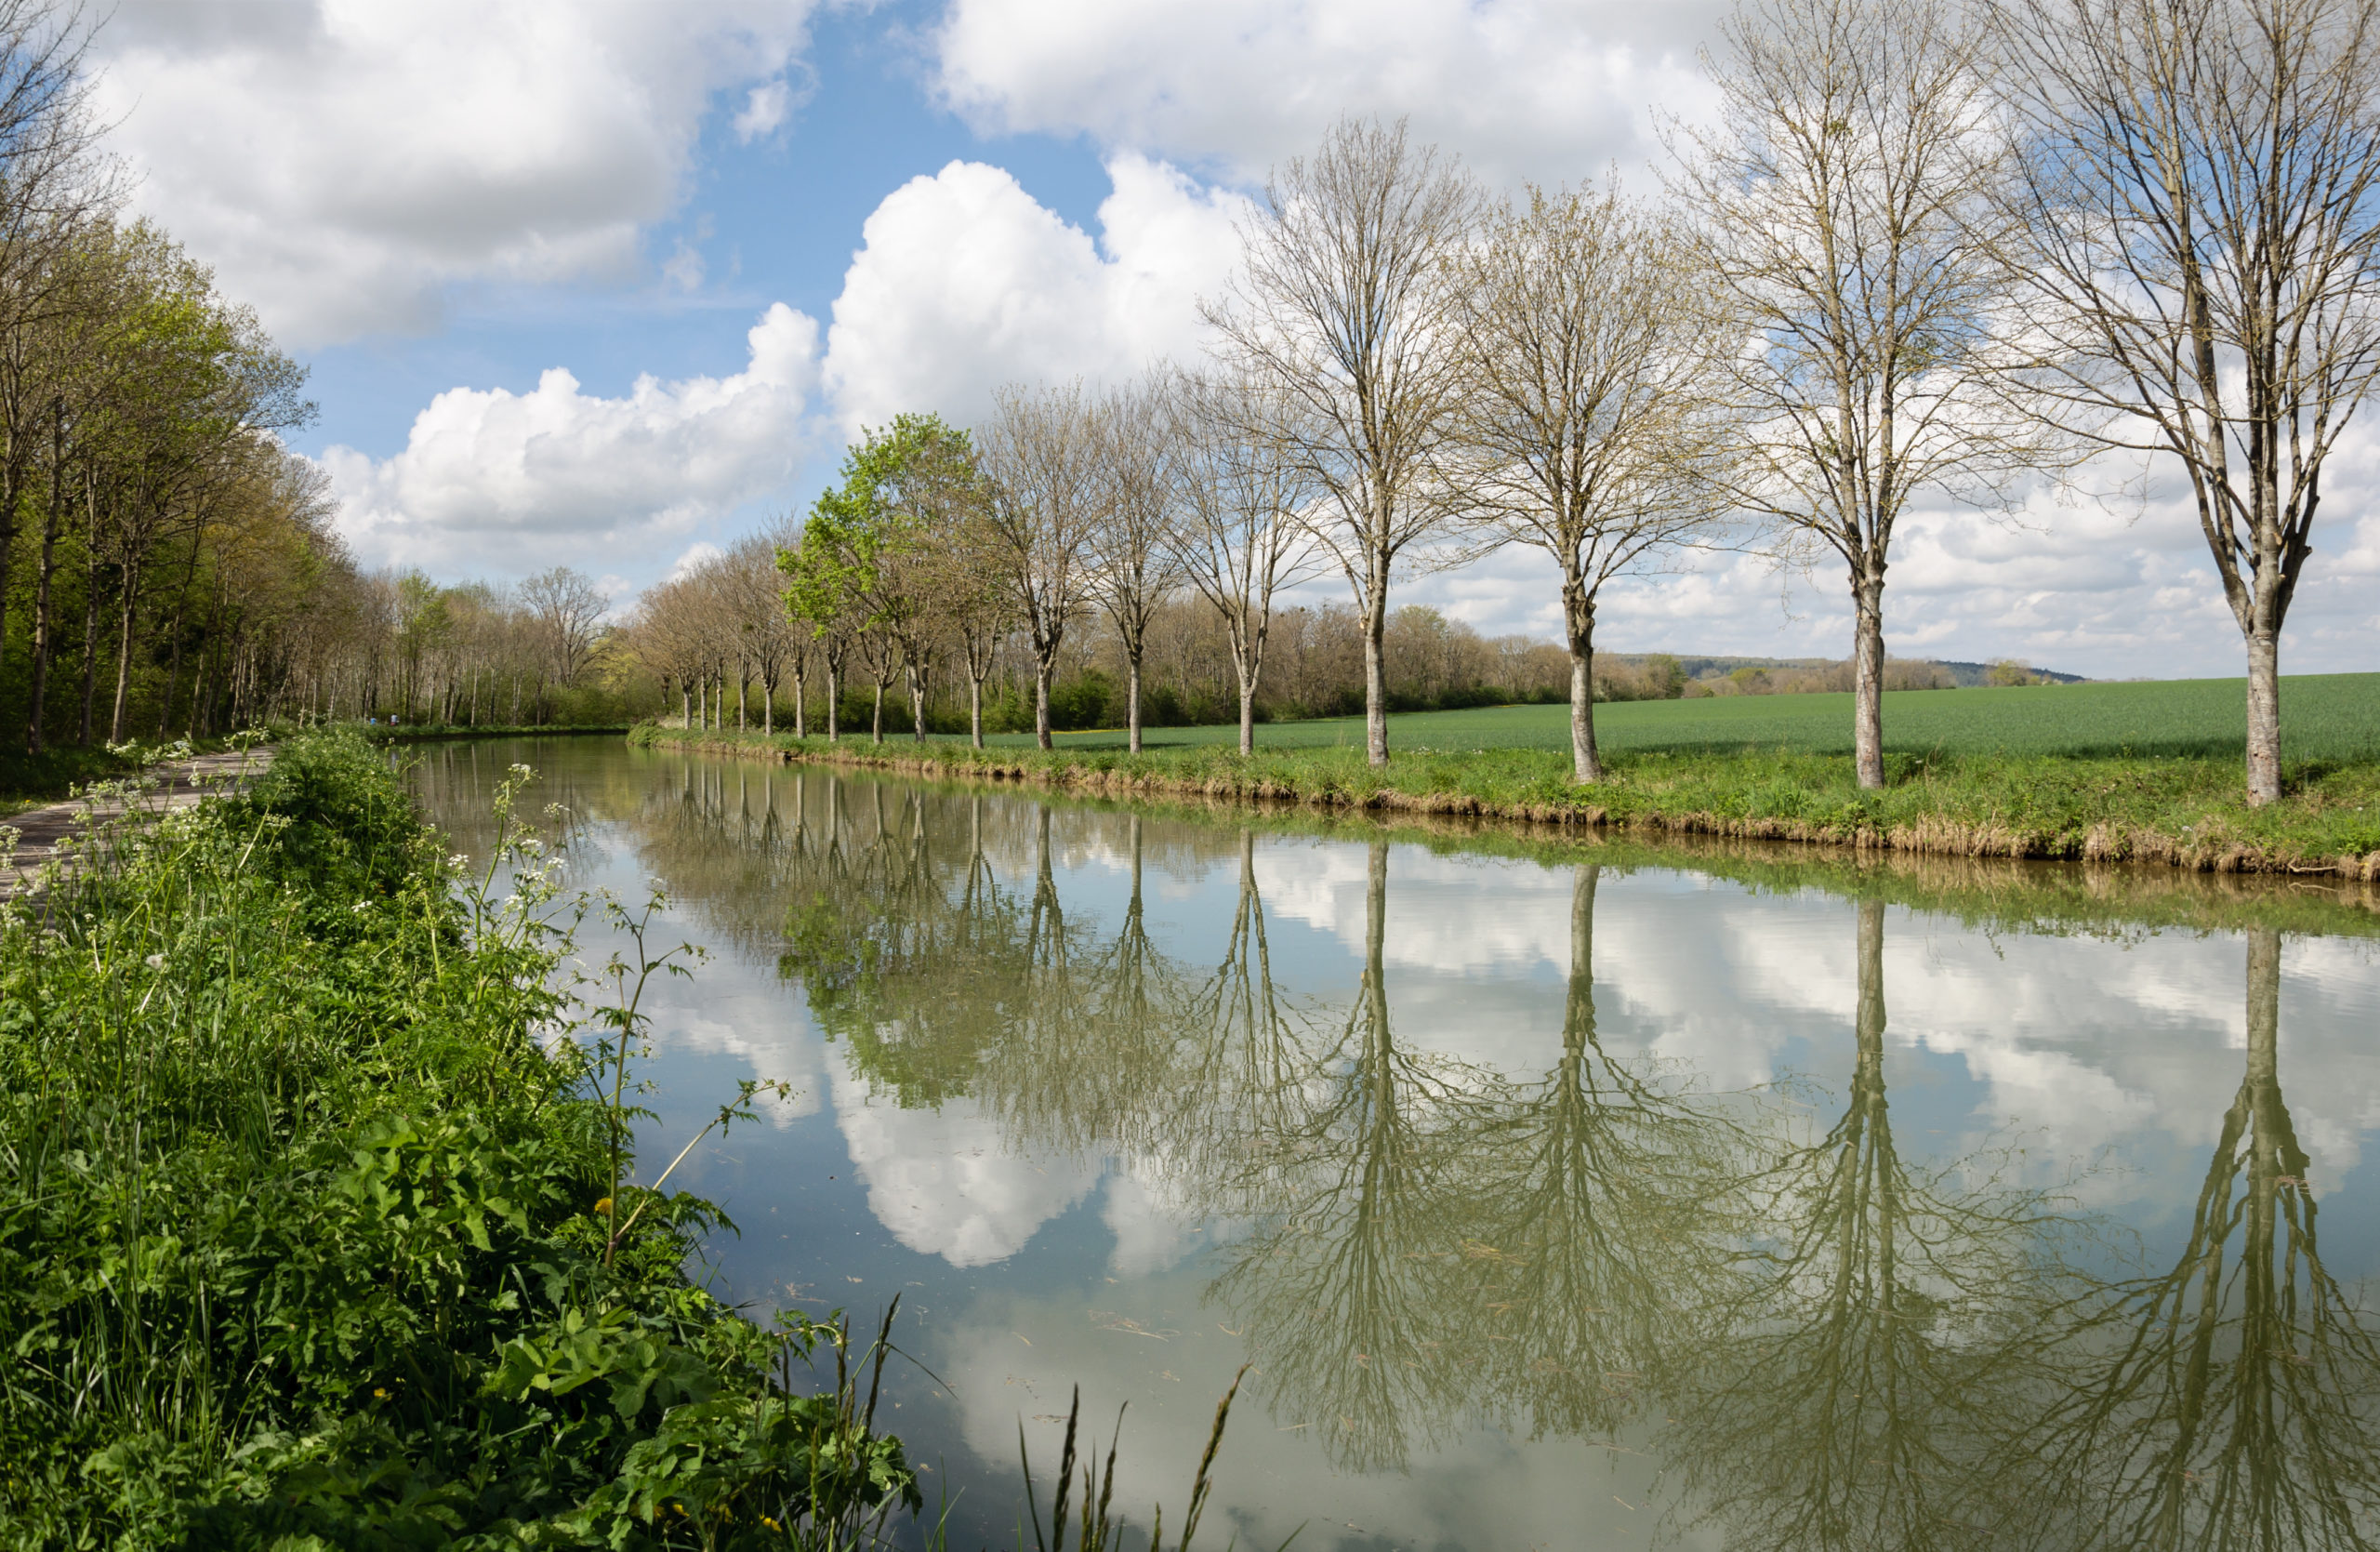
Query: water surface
(1559, 1193)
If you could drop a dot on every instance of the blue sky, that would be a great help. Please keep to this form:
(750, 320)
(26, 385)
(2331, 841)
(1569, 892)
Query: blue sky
(772, 219)
(742, 228)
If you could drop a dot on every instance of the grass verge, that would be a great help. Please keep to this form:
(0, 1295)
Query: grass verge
(304, 1229)
(2188, 812)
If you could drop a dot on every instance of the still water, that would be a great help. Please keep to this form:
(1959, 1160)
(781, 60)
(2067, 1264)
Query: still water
(1559, 1194)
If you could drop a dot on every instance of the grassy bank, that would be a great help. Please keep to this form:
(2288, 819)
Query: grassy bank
(2185, 810)
(306, 1239)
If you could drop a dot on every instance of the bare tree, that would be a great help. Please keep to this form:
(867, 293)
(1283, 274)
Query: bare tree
(982, 614)
(1588, 416)
(1843, 197)
(1133, 568)
(568, 608)
(880, 653)
(773, 643)
(2200, 186)
(1344, 306)
(1240, 487)
(1041, 454)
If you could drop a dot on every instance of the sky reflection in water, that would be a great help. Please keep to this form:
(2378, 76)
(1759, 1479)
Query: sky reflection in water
(1562, 1195)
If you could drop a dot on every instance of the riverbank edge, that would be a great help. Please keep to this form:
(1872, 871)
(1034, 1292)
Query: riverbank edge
(442, 734)
(2214, 842)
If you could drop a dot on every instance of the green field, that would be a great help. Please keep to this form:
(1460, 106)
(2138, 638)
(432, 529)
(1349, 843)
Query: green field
(2324, 717)
(2144, 772)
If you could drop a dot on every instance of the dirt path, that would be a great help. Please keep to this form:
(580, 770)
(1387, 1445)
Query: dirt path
(41, 834)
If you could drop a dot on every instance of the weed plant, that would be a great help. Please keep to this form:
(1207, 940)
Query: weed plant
(311, 1228)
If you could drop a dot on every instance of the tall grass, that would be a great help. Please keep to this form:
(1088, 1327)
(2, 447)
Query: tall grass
(318, 1229)
(297, 1233)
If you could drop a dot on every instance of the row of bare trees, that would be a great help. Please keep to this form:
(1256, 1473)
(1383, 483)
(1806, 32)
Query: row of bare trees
(1977, 243)
(1922, 254)
(398, 646)
(724, 622)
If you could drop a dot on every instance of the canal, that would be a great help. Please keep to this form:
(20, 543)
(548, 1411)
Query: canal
(1558, 1192)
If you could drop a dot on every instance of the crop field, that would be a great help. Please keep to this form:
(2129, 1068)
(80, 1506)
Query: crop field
(2324, 717)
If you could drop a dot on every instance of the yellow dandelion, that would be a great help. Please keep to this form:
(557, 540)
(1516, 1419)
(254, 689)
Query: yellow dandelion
(380, 1394)
(602, 1207)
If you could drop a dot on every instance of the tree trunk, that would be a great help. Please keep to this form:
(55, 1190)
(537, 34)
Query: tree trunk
(1586, 761)
(1376, 673)
(90, 640)
(743, 683)
(43, 642)
(800, 701)
(10, 489)
(1041, 670)
(1579, 618)
(834, 702)
(1133, 700)
(124, 651)
(1868, 678)
(182, 619)
(199, 685)
(877, 729)
(917, 705)
(2264, 717)
(975, 711)
(1247, 717)
(768, 708)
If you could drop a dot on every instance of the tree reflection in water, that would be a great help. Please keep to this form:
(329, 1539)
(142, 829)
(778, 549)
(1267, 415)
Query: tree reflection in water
(1833, 1348)
(1243, 1068)
(1859, 1382)
(1605, 1203)
(2233, 1400)
(1346, 1289)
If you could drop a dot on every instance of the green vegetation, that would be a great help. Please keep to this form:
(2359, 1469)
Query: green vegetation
(440, 732)
(2332, 717)
(27, 780)
(2104, 773)
(303, 1231)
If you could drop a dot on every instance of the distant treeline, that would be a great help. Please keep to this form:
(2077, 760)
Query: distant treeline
(1315, 668)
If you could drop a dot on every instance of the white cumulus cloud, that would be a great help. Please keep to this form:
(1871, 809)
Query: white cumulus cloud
(493, 480)
(342, 162)
(1533, 88)
(964, 281)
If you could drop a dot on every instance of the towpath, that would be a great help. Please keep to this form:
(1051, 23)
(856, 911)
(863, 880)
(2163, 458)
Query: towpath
(41, 833)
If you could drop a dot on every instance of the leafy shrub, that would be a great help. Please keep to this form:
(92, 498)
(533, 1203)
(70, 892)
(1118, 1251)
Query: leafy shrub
(302, 1228)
